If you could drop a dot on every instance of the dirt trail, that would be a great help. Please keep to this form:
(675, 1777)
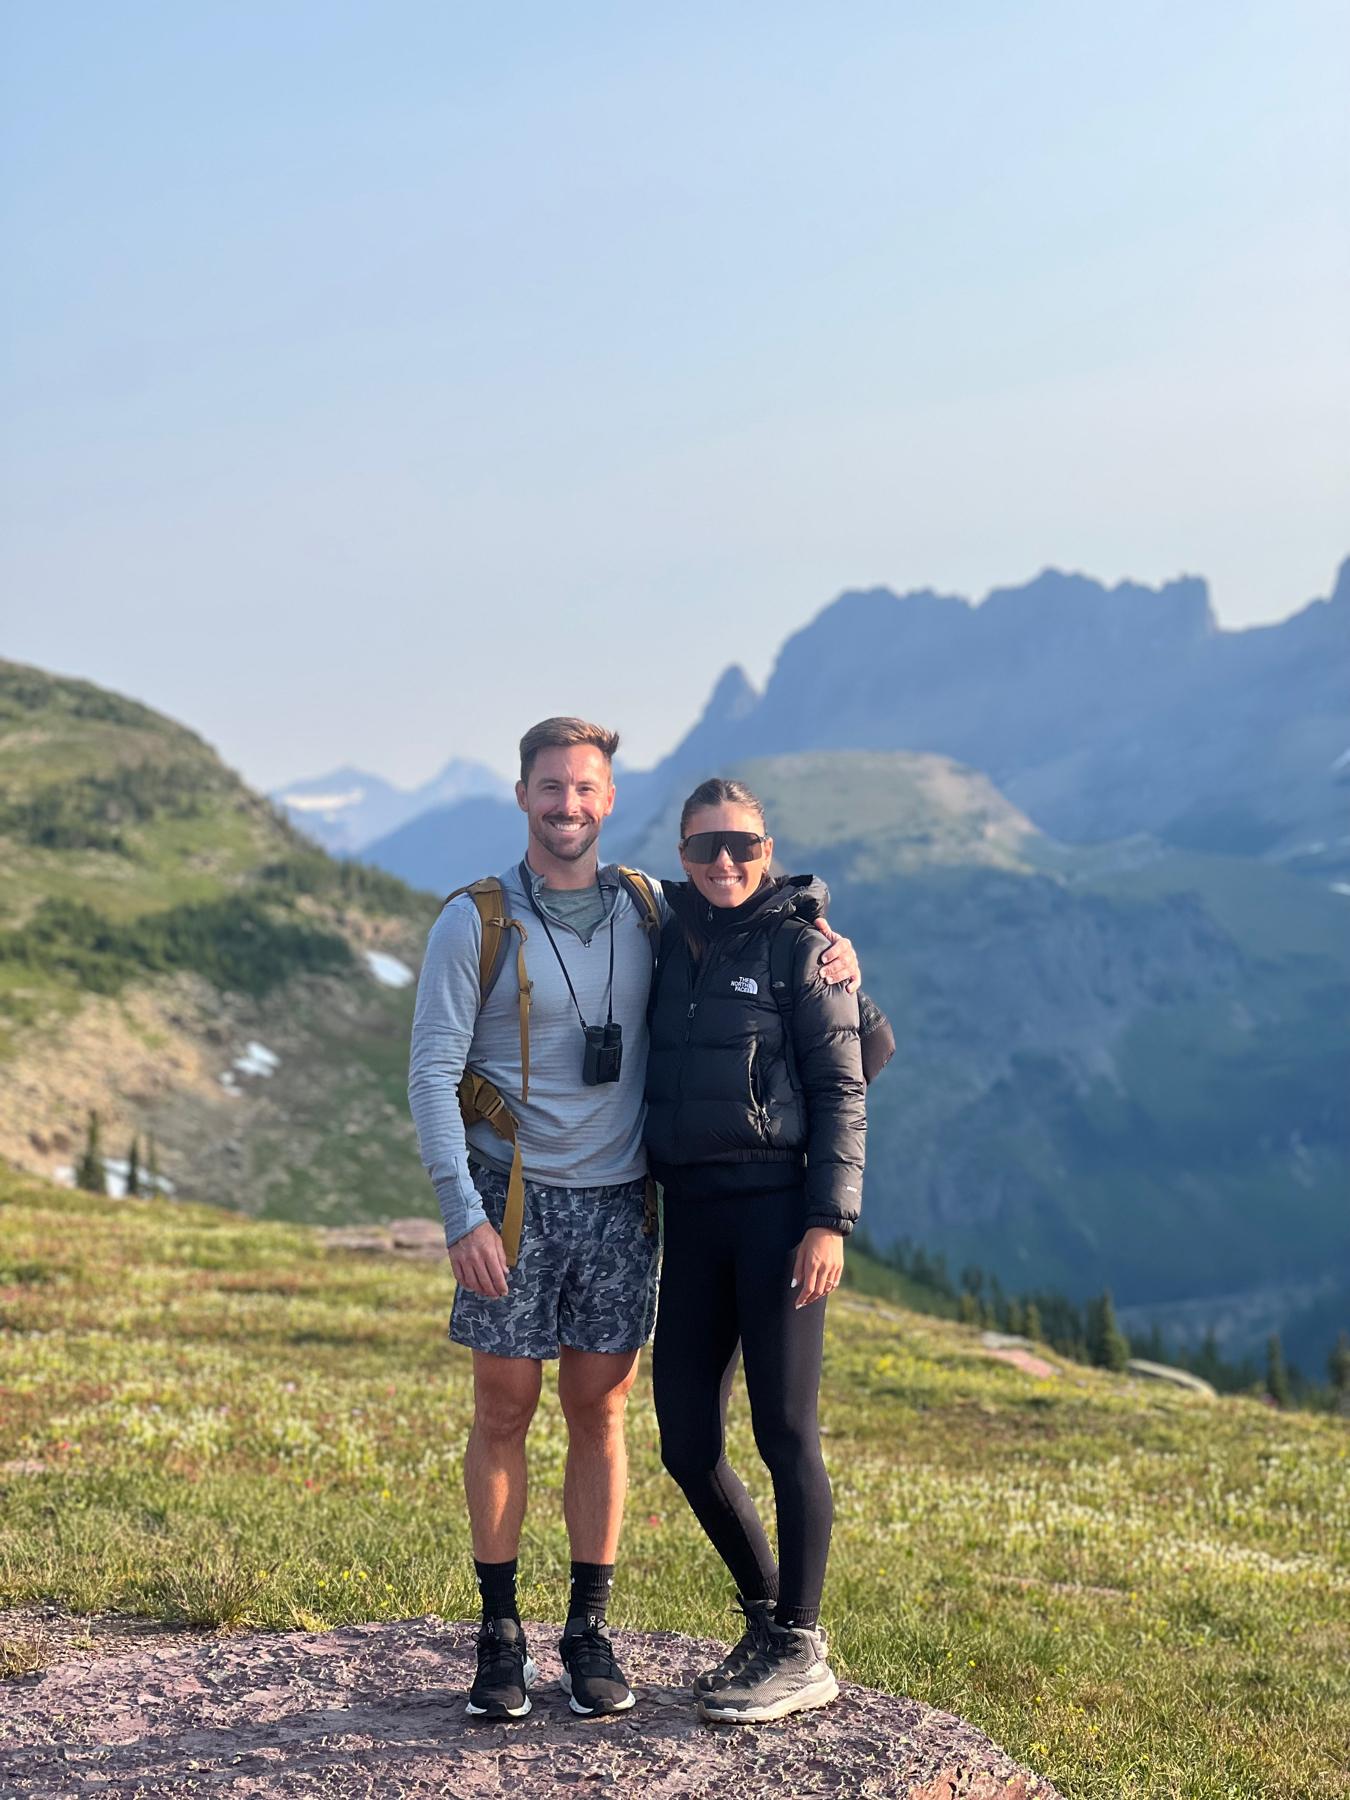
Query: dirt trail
(378, 1710)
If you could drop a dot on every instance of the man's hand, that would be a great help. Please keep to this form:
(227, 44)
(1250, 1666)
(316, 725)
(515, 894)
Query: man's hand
(840, 961)
(818, 1266)
(479, 1262)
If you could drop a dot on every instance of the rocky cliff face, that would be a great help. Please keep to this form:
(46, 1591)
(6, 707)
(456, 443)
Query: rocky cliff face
(1100, 712)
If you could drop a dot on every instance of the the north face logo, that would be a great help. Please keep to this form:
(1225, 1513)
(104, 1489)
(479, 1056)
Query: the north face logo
(745, 984)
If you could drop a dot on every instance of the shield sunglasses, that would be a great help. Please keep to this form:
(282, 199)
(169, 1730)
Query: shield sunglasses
(742, 846)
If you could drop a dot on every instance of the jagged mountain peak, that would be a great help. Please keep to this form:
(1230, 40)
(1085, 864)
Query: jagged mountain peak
(1102, 710)
(733, 695)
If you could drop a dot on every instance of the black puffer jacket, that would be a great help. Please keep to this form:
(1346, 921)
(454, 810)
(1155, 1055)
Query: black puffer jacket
(723, 1109)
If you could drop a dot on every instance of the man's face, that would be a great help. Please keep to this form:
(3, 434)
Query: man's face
(569, 794)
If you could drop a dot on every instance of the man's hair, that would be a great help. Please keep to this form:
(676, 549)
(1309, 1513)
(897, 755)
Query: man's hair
(720, 792)
(563, 734)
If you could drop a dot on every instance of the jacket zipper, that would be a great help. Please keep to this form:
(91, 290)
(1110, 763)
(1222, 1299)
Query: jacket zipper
(696, 987)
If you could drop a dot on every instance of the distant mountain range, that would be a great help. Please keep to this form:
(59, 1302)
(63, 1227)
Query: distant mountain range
(450, 846)
(1100, 712)
(349, 809)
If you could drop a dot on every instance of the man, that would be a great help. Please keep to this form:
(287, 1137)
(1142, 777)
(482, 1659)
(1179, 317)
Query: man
(583, 1286)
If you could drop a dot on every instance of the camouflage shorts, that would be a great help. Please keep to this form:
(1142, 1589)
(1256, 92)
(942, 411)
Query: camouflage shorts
(585, 1276)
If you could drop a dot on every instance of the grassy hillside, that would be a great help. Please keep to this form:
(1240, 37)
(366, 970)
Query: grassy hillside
(157, 917)
(1141, 1593)
(874, 814)
(1120, 1066)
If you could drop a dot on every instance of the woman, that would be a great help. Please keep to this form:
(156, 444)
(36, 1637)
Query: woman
(755, 1128)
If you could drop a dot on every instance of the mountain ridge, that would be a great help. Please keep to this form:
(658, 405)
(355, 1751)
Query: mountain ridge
(1100, 711)
(348, 808)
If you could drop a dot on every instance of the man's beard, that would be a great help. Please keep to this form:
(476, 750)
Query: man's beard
(571, 846)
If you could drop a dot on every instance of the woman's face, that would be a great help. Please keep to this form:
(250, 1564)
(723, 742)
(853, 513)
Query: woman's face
(725, 882)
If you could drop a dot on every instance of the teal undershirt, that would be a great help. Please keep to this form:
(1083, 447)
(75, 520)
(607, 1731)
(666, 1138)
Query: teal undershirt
(581, 908)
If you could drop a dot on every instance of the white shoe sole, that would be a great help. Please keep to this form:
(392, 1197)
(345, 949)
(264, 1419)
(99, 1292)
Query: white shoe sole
(588, 1712)
(507, 1712)
(820, 1693)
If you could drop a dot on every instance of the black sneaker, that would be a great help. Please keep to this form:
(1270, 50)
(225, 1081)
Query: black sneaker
(505, 1673)
(737, 1659)
(591, 1678)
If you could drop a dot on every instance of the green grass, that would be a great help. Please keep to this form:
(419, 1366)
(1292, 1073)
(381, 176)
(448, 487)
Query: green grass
(1135, 1591)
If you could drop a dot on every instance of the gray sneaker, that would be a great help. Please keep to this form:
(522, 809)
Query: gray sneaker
(737, 1659)
(788, 1674)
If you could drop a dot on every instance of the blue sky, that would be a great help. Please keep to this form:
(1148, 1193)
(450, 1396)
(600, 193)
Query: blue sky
(378, 379)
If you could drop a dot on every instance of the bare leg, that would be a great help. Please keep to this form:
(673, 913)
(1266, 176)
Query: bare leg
(505, 1394)
(593, 1387)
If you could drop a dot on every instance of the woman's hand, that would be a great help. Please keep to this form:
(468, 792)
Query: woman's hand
(818, 1266)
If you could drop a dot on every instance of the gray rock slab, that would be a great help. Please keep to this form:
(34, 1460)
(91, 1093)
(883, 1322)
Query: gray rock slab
(378, 1710)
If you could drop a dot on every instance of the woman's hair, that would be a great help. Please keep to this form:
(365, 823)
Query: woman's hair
(719, 792)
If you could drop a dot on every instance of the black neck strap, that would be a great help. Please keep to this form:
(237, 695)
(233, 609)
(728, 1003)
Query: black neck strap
(527, 882)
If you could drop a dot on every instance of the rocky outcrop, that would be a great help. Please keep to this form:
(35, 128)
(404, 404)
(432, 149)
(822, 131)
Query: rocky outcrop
(378, 1709)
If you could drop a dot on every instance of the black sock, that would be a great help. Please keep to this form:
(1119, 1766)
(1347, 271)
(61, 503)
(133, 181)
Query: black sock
(800, 1617)
(591, 1583)
(497, 1585)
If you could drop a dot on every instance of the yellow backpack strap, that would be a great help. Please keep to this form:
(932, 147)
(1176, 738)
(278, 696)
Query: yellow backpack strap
(487, 896)
(640, 887)
(479, 1099)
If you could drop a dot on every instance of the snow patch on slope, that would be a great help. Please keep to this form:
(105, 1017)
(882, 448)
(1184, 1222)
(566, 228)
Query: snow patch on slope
(388, 970)
(324, 803)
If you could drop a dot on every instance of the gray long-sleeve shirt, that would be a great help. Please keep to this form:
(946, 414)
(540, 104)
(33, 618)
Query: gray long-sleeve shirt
(570, 1135)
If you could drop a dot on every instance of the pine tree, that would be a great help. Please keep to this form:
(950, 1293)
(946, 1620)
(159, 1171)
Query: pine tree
(1338, 1368)
(152, 1182)
(1208, 1363)
(1277, 1376)
(968, 1309)
(90, 1172)
(1016, 1318)
(1031, 1323)
(1108, 1347)
(133, 1170)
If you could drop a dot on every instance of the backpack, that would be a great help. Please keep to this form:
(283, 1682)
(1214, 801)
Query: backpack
(479, 1099)
(877, 1033)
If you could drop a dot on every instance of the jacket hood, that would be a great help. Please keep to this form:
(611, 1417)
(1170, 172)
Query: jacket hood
(801, 895)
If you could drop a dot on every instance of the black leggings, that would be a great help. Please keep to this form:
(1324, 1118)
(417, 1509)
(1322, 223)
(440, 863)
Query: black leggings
(724, 1282)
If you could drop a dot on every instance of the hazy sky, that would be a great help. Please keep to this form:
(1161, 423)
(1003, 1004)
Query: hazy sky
(379, 378)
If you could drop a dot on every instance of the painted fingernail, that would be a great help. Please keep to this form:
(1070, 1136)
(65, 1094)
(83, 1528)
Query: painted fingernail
(794, 1281)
